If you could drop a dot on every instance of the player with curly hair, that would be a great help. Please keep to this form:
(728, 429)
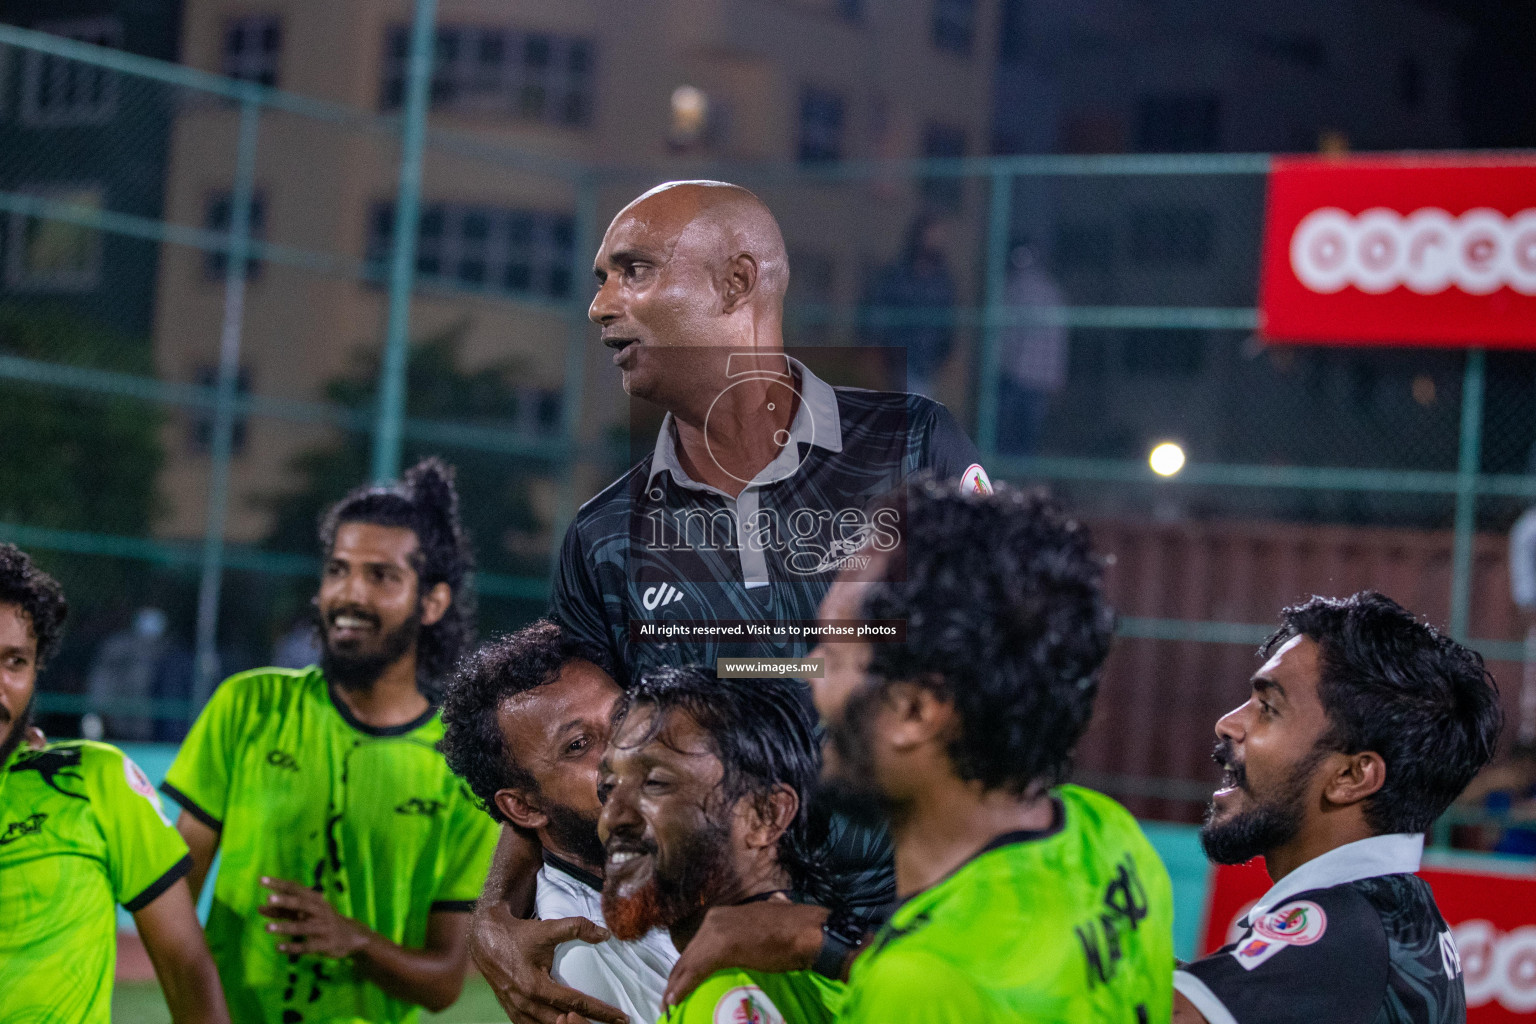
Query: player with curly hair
(81, 829)
(351, 854)
(1022, 898)
(527, 718)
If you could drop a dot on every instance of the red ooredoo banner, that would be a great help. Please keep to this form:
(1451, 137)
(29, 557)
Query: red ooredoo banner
(1492, 917)
(1395, 251)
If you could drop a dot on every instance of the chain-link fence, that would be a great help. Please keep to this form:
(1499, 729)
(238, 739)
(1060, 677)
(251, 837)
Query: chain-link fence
(212, 324)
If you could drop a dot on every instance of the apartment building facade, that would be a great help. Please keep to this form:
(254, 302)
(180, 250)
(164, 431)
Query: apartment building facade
(645, 91)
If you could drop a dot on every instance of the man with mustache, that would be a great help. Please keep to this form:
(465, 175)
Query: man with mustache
(1022, 899)
(703, 788)
(81, 829)
(1362, 727)
(526, 721)
(751, 500)
(351, 855)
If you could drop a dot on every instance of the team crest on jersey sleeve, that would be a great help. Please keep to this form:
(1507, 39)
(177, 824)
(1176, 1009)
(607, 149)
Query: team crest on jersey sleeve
(140, 784)
(1298, 923)
(975, 480)
(747, 1004)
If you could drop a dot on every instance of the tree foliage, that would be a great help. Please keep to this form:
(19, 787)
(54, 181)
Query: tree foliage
(493, 487)
(76, 460)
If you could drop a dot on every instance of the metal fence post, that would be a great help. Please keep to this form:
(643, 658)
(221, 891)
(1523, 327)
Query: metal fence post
(221, 448)
(1467, 467)
(390, 414)
(999, 227)
(583, 233)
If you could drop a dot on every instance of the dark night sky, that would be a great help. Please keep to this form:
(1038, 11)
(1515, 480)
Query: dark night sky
(1497, 78)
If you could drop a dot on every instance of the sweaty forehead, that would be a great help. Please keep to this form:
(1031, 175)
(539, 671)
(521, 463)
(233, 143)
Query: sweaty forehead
(1296, 666)
(656, 222)
(679, 737)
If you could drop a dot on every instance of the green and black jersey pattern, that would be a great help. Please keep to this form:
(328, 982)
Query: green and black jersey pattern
(81, 829)
(1063, 926)
(370, 817)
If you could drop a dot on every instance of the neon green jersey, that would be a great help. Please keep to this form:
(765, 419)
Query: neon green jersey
(753, 997)
(81, 829)
(301, 790)
(1056, 927)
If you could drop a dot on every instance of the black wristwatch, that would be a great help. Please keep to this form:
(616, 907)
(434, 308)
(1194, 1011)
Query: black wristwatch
(841, 934)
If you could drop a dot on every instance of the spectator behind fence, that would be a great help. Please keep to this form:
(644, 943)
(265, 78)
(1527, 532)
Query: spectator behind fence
(1032, 360)
(916, 291)
(124, 672)
(1507, 789)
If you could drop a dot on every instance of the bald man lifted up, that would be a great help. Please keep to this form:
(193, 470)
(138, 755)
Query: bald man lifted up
(752, 499)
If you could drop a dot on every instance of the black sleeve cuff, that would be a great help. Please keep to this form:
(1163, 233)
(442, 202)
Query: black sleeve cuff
(451, 907)
(157, 888)
(190, 806)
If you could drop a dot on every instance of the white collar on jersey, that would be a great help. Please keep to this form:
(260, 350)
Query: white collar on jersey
(1398, 854)
(816, 422)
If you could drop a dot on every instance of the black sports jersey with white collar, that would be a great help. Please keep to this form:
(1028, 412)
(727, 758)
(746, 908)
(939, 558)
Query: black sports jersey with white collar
(1351, 937)
(657, 547)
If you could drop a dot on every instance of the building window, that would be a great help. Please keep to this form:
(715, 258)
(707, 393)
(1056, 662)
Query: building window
(526, 252)
(1172, 236)
(58, 91)
(821, 125)
(532, 76)
(200, 431)
(1013, 34)
(217, 217)
(943, 194)
(1179, 123)
(538, 410)
(251, 49)
(850, 10)
(954, 24)
(46, 254)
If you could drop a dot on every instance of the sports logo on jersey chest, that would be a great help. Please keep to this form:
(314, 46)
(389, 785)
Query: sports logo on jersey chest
(1298, 923)
(31, 825)
(1102, 937)
(53, 765)
(282, 759)
(660, 596)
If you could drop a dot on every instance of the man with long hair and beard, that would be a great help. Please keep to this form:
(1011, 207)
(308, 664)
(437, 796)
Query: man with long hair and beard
(351, 854)
(704, 788)
(1361, 727)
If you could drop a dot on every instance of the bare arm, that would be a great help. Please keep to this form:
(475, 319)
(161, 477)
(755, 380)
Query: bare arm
(203, 842)
(432, 976)
(175, 943)
(1184, 1011)
(515, 954)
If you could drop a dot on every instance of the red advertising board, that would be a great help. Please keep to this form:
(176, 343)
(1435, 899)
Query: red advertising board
(1492, 915)
(1400, 251)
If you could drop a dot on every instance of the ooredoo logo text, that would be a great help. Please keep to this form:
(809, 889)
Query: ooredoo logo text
(1426, 251)
(1498, 966)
